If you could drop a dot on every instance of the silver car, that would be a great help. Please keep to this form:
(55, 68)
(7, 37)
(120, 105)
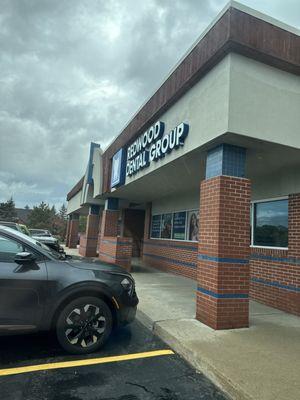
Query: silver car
(45, 237)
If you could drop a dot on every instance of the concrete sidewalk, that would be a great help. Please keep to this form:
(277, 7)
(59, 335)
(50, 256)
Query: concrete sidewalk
(261, 363)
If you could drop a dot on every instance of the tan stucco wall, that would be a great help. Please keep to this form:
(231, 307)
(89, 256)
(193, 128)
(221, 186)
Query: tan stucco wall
(74, 203)
(264, 102)
(204, 107)
(184, 201)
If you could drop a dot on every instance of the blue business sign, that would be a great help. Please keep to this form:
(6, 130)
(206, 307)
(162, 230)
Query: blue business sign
(153, 145)
(118, 168)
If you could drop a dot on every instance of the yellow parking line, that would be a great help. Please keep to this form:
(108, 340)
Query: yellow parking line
(80, 363)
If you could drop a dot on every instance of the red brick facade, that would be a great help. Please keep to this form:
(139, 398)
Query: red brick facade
(113, 248)
(73, 234)
(174, 256)
(89, 240)
(275, 274)
(223, 260)
(134, 228)
(109, 223)
(116, 250)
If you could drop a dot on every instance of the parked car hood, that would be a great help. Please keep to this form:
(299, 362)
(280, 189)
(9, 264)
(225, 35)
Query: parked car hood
(45, 239)
(98, 266)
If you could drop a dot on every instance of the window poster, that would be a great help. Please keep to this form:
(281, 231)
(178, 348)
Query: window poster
(193, 226)
(179, 222)
(166, 226)
(155, 226)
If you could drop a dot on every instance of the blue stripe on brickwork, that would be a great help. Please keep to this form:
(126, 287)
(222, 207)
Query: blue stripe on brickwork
(176, 246)
(172, 260)
(223, 295)
(115, 242)
(113, 258)
(223, 259)
(288, 260)
(276, 284)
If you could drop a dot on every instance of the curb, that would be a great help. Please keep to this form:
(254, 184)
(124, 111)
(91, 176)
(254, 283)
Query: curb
(231, 389)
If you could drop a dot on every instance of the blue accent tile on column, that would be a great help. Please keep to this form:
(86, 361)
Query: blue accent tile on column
(112, 203)
(226, 159)
(94, 209)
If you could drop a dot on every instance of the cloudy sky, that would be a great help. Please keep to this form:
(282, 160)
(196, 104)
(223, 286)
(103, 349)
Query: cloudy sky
(74, 71)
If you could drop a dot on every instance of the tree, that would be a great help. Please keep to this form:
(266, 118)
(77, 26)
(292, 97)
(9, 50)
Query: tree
(8, 211)
(63, 212)
(41, 217)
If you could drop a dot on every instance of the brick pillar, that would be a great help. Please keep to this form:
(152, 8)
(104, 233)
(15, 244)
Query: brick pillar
(73, 232)
(147, 221)
(294, 225)
(88, 242)
(109, 223)
(223, 259)
(67, 231)
(113, 248)
(291, 298)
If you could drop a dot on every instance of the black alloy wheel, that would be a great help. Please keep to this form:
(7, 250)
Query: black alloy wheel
(84, 325)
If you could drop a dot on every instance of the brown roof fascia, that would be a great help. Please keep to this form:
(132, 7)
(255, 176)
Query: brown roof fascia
(75, 189)
(236, 31)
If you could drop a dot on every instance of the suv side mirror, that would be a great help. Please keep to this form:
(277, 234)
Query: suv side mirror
(24, 258)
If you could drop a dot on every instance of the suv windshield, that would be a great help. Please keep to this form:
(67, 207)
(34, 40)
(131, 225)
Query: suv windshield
(51, 252)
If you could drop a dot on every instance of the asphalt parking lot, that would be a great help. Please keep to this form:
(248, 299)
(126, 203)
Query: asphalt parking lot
(160, 376)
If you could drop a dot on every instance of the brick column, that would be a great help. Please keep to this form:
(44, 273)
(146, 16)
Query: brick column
(88, 242)
(291, 298)
(294, 225)
(223, 253)
(113, 248)
(67, 231)
(73, 232)
(147, 221)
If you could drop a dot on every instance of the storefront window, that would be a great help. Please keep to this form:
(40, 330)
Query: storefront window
(193, 226)
(181, 225)
(166, 226)
(270, 223)
(155, 226)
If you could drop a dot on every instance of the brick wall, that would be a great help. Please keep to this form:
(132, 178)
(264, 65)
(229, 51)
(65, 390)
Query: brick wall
(178, 257)
(109, 223)
(73, 234)
(89, 240)
(134, 228)
(275, 274)
(223, 260)
(116, 250)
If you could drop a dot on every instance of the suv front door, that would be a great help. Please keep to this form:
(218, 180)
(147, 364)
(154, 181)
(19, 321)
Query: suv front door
(23, 288)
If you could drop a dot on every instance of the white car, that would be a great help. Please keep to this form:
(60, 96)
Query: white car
(44, 236)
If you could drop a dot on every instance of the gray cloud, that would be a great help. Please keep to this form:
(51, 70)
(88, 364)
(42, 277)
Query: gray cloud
(74, 71)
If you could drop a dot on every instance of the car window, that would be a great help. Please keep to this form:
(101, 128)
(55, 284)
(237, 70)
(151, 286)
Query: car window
(9, 248)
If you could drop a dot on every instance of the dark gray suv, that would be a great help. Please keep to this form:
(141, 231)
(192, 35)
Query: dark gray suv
(42, 290)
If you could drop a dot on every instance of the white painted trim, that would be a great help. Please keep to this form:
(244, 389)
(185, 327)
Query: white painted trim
(270, 199)
(268, 247)
(174, 240)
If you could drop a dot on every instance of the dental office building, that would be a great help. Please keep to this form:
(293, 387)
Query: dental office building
(204, 181)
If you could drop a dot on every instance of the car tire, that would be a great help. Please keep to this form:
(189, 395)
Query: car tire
(84, 325)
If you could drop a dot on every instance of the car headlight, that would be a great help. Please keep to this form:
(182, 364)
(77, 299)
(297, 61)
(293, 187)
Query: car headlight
(127, 284)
